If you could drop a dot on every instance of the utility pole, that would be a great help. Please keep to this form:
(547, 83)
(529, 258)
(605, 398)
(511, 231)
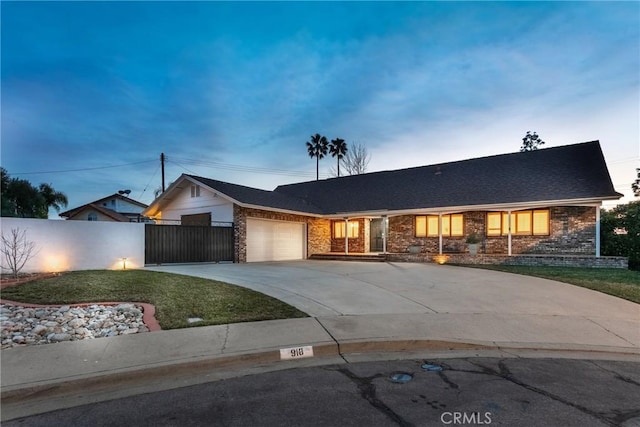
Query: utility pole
(162, 166)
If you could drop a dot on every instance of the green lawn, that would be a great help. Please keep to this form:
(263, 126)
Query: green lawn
(617, 282)
(175, 297)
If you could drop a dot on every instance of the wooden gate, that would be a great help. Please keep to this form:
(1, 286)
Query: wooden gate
(187, 243)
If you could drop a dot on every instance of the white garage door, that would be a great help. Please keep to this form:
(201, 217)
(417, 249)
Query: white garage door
(274, 240)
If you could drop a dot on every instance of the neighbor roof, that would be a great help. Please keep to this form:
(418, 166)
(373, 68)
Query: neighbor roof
(74, 211)
(568, 172)
(92, 206)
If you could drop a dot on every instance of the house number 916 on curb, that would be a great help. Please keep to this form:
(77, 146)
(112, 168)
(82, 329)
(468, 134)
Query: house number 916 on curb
(296, 352)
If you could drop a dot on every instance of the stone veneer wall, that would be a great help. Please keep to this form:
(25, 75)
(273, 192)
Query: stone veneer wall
(356, 245)
(571, 231)
(523, 260)
(318, 236)
(240, 216)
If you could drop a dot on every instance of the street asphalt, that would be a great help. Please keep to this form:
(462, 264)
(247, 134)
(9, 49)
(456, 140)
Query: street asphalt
(360, 312)
(473, 391)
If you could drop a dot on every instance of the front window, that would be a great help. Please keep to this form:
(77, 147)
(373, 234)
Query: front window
(339, 228)
(452, 225)
(92, 216)
(195, 191)
(524, 223)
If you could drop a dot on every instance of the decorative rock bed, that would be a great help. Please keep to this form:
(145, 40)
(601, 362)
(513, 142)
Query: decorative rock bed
(43, 325)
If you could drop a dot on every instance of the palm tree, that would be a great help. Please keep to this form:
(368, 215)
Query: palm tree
(338, 148)
(51, 199)
(317, 148)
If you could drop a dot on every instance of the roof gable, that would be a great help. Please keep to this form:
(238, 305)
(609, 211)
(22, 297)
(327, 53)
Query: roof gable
(86, 209)
(100, 202)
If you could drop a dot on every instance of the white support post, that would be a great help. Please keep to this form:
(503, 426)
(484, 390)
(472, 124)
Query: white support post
(597, 231)
(346, 236)
(384, 234)
(440, 234)
(509, 234)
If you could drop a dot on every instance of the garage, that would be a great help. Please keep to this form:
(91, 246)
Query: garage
(274, 240)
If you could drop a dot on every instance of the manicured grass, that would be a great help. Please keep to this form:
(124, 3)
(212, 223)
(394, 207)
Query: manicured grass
(617, 282)
(175, 297)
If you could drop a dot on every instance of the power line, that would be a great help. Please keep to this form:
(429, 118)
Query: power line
(149, 183)
(83, 169)
(241, 168)
(178, 164)
(626, 160)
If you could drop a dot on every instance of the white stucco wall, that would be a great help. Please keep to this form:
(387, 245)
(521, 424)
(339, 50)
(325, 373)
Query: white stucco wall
(79, 245)
(220, 208)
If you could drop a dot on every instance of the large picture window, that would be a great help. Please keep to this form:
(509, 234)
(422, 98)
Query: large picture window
(340, 226)
(523, 223)
(452, 225)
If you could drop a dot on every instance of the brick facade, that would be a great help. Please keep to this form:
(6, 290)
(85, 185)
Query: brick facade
(358, 244)
(571, 231)
(318, 236)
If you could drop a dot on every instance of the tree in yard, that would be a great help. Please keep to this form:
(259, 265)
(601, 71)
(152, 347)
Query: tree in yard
(620, 233)
(317, 147)
(21, 199)
(356, 160)
(635, 186)
(338, 148)
(16, 251)
(531, 141)
(52, 199)
(6, 204)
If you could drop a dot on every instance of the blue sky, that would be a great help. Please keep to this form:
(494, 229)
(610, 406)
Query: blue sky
(232, 91)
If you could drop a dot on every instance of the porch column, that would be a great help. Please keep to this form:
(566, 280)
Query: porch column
(346, 236)
(509, 234)
(597, 231)
(440, 234)
(384, 234)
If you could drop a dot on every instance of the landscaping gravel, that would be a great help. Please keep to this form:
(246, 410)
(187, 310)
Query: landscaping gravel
(43, 325)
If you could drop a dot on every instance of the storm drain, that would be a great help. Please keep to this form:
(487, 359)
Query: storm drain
(430, 367)
(401, 378)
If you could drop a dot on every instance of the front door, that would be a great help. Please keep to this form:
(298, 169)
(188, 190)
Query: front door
(376, 235)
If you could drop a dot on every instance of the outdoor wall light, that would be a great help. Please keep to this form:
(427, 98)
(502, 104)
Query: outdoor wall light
(441, 259)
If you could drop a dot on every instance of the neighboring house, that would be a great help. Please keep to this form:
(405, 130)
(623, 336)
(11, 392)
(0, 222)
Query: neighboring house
(116, 207)
(538, 202)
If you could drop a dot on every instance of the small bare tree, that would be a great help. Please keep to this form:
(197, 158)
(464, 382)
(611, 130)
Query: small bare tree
(356, 160)
(16, 250)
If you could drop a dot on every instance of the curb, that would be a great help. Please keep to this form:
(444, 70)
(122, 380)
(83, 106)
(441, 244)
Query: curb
(148, 310)
(199, 366)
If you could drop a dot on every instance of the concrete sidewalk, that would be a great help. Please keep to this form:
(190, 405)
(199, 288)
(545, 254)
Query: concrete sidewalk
(42, 378)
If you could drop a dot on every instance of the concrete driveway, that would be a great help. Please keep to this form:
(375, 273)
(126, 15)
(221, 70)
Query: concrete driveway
(326, 288)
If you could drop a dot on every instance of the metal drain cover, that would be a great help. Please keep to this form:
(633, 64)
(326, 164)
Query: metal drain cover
(401, 378)
(430, 367)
